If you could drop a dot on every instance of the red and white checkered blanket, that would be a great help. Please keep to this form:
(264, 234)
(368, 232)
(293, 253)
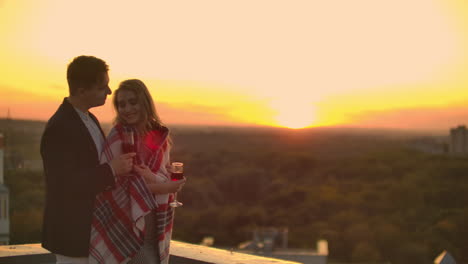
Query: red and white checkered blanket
(118, 226)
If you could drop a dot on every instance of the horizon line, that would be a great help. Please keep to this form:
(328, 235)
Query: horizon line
(254, 126)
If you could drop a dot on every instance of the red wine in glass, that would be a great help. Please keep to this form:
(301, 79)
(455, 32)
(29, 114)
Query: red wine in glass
(128, 143)
(127, 147)
(177, 176)
(177, 173)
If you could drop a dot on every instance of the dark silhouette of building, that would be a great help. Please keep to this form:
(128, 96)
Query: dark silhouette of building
(4, 201)
(459, 141)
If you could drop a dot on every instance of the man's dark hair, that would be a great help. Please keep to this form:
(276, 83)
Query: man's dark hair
(85, 71)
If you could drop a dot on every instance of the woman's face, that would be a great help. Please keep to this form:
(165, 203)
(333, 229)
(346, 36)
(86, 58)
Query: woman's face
(128, 107)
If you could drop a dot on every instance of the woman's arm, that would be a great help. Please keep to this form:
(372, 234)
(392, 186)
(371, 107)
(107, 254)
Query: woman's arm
(146, 173)
(166, 187)
(158, 187)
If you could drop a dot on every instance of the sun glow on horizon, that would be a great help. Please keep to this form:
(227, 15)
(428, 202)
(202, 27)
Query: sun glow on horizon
(294, 112)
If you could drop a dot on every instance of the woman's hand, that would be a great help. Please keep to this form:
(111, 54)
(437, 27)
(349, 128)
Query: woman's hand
(174, 186)
(145, 172)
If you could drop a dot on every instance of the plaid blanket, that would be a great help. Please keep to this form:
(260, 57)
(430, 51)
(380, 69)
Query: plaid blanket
(118, 225)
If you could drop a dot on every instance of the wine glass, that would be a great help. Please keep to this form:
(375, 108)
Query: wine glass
(177, 173)
(128, 144)
(128, 141)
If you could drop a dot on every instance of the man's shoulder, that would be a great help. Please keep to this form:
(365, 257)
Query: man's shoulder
(57, 118)
(62, 118)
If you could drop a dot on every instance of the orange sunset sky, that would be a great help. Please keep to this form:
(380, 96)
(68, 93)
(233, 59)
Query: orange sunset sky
(300, 63)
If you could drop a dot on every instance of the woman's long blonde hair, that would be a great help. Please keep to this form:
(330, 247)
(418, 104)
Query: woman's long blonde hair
(150, 117)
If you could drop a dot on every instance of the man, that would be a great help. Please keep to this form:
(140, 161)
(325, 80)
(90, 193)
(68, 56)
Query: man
(70, 148)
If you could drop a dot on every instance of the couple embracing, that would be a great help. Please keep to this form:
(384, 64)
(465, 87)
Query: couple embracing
(103, 205)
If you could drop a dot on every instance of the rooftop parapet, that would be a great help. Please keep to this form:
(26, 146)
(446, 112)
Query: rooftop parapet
(181, 253)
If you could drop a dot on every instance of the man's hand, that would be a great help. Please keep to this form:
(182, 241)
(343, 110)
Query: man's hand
(122, 164)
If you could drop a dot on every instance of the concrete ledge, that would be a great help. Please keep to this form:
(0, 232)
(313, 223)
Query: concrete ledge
(181, 253)
(202, 254)
(26, 253)
(21, 250)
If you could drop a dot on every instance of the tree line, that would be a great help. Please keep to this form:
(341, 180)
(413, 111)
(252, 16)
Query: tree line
(368, 194)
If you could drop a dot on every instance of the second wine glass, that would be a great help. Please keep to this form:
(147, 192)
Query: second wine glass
(177, 173)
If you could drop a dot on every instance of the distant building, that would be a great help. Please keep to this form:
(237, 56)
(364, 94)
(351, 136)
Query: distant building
(459, 141)
(4, 202)
(430, 145)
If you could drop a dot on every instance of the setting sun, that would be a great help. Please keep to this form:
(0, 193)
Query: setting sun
(294, 112)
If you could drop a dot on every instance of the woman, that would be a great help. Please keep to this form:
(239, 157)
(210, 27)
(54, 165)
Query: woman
(132, 223)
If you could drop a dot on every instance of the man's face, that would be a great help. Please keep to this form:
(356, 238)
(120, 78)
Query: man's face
(96, 95)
